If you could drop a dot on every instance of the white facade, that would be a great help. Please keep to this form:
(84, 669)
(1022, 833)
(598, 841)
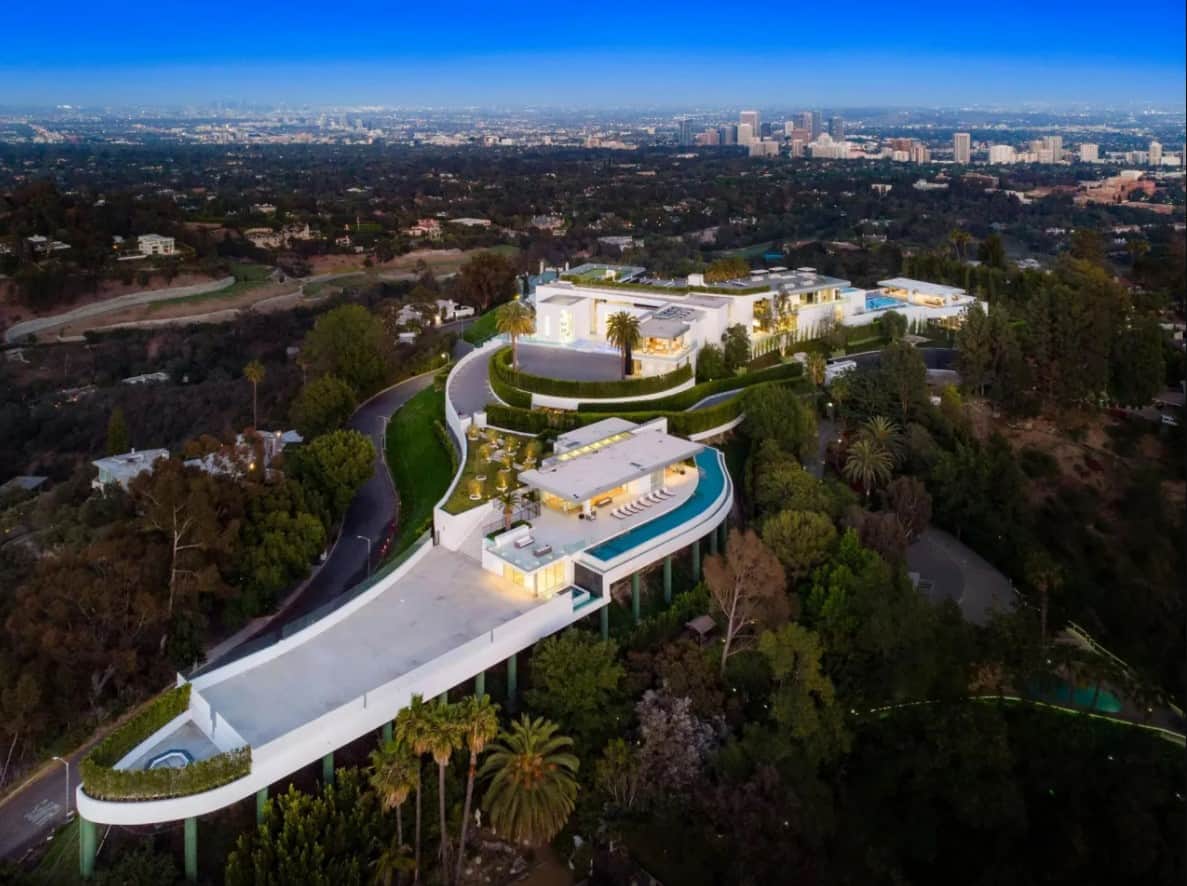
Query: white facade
(962, 147)
(124, 468)
(1089, 153)
(999, 154)
(155, 244)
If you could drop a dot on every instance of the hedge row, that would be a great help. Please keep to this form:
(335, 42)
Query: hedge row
(510, 395)
(102, 781)
(500, 367)
(673, 290)
(697, 393)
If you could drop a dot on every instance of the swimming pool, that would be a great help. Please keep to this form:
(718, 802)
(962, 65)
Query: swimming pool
(881, 302)
(709, 486)
(1060, 693)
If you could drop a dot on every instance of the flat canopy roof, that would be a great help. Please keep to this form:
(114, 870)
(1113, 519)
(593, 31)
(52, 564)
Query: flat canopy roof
(587, 475)
(920, 286)
(654, 327)
(562, 300)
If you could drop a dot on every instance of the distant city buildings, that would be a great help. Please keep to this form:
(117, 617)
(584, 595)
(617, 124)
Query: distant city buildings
(836, 129)
(962, 148)
(1089, 153)
(1155, 154)
(749, 118)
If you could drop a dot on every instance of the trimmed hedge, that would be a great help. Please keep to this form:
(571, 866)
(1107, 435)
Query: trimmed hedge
(500, 367)
(695, 394)
(103, 782)
(680, 290)
(509, 394)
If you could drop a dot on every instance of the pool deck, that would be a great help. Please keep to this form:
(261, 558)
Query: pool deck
(188, 738)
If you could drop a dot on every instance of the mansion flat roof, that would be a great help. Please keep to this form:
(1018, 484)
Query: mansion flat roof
(921, 286)
(590, 474)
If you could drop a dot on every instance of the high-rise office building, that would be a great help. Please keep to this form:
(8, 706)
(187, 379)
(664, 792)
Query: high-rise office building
(836, 128)
(749, 118)
(1001, 154)
(1155, 153)
(746, 134)
(806, 120)
(1089, 153)
(685, 128)
(764, 130)
(729, 134)
(1054, 144)
(962, 147)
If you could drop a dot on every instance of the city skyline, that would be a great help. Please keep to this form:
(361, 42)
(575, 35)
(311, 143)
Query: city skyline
(687, 55)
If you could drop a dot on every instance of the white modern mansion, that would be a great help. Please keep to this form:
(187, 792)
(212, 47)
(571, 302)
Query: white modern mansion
(677, 318)
(613, 499)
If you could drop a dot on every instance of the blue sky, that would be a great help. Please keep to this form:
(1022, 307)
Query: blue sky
(606, 54)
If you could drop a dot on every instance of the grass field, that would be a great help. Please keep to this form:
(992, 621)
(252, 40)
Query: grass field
(247, 277)
(421, 466)
(482, 329)
(315, 289)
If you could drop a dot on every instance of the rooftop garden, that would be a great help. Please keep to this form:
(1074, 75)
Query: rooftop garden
(493, 459)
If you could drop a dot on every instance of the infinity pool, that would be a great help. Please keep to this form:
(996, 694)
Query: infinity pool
(1060, 693)
(709, 486)
(881, 302)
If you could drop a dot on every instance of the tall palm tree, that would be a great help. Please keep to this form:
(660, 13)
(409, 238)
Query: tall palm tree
(254, 373)
(622, 331)
(816, 367)
(391, 862)
(413, 730)
(867, 463)
(513, 320)
(395, 774)
(959, 239)
(1046, 578)
(445, 737)
(510, 499)
(480, 724)
(886, 433)
(533, 786)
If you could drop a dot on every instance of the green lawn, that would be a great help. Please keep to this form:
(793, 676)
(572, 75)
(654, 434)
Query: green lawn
(460, 500)
(482, 329)
(421, 465)
(315, 289)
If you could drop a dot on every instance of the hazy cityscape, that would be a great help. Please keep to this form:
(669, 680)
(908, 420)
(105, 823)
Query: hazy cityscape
(592, 446)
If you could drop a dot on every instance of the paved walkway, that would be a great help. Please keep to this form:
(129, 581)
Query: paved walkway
(568, 364)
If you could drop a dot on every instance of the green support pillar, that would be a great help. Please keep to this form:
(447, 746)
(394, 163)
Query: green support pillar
(86, 848)
(480, 684)
(605, 613)
(261, 802)
(668, 579)
(443, 698)
(635, 597)
(327, 768)
(387, 732)
(712, 542)
(191, 849)
(512, 678)
(696, 561)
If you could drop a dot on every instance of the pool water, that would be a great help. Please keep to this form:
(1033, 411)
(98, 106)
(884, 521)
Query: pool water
(881, 302)
(1060, 693)
(709, 486)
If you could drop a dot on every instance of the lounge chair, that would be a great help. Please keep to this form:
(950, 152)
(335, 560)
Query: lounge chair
(524, 542)
(543, 551)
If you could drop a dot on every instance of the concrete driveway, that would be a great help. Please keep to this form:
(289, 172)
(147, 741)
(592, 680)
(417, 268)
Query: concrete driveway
(569, 364)
(949, 570)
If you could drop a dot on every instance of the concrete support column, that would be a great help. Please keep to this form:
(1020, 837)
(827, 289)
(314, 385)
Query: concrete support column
(387, 732)
(480, 684)
(605, 613)
(635, 597)
(696, 561)
(724, 529)
(712, 542)
(261, 802)
(327, 768)
(86, 848)
(512, 678)
(668, 579)
(191, 849)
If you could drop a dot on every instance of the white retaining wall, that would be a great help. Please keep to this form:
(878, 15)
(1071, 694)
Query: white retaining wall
(551, 402)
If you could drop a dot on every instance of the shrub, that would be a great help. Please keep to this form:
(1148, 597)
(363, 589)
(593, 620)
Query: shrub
(152, 717)
(509, 394)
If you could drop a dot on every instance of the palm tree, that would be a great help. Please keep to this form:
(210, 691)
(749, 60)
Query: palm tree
(622, 331)
(513, 320)
(885, 432)
(867, 463)
(395, 774)
(392, 861)
(413, 730)
(816, 367)
(959, 239)
(480, 724)
(533, 786)
(254, 373)
(510, 499)
(444, 738)
(1045, 577)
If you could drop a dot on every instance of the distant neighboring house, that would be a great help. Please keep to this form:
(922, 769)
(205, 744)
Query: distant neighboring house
(23, 483)
(145, 379)
(263, 238)
(425, 228)
(123, 469)
(471, 222)
(263, 208)
(448, 310)
(44, 245)
(234, 460)
(621, 243)
(155, 244)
